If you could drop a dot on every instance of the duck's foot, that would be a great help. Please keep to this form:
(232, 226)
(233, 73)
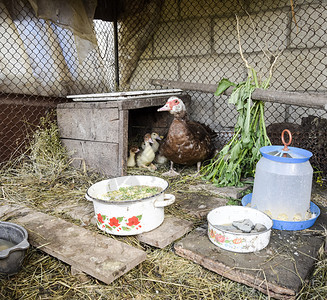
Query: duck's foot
(198, 168)
(171, 173)
(152, 167)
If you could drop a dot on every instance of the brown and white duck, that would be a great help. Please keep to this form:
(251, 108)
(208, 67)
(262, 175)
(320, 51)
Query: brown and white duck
(146, 157)
(131, 158)
(187, 142)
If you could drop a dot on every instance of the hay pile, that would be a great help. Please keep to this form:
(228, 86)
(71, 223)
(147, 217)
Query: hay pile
(42, 178)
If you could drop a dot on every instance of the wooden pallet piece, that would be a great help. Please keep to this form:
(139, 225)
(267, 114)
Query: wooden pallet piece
(279, 270)
(92, 253)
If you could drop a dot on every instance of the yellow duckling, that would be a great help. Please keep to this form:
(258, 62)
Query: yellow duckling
(131, 159)
(146, 157)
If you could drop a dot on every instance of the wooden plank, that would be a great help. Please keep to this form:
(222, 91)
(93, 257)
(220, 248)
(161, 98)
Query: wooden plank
(99, 156)
(278, 270)
(89, 124)
(115, 95)
(123, 141)
(314, 100)
(170, 230)
(94, 254)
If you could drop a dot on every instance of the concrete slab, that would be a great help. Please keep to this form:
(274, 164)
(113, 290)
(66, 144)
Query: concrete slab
(224, 192)
(169, 231)
(278, 270)
(198, 205)
(94, 254)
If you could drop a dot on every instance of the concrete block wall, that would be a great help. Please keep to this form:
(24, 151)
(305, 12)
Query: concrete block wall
(197, 42)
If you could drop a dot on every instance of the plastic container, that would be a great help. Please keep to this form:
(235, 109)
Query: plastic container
(283, 182)
(288, 225)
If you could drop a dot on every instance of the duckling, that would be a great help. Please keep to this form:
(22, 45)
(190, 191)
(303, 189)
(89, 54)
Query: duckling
(155, 145)
(160, 159)
(131, 159)
(155, 138)
(146, 157)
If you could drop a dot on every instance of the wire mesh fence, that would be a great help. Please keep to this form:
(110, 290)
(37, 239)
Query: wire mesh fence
(188, 41)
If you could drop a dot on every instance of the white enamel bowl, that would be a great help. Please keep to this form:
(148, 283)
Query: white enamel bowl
(132, 216)
(234, 241)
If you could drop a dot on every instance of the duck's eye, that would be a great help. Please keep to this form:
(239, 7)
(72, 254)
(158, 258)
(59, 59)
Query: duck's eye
(176, 101)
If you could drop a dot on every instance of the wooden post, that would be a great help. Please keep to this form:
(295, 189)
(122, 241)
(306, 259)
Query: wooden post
(314, 100)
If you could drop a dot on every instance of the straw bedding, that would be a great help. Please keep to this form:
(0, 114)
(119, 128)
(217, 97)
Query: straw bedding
(42, 178)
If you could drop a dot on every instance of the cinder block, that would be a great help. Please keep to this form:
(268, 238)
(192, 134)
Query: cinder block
(190, 37)
(158, 69)
(294, 67)
(310, 30)
(263, 30)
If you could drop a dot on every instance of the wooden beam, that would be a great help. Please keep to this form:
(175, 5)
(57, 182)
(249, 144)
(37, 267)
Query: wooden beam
(313, 100)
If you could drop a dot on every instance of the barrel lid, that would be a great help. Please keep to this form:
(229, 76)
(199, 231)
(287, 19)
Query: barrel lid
(284, 153)
(293, 155)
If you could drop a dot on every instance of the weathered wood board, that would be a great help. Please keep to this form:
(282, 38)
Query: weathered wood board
(89, 123)
(94, 254)
(278, 270)
(169, 231)
(97, 156)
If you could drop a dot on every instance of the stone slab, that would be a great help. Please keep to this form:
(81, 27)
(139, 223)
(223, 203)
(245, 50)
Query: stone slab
(198, 205)
(94, 254)
(278, 270)
(169, 231)
(227, 192)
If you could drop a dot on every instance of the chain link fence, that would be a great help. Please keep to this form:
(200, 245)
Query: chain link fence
(178, 40)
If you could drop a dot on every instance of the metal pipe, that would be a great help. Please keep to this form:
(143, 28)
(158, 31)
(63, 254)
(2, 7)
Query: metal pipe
(116, 50)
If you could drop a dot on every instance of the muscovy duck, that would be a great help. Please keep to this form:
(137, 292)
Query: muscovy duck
(187, 142)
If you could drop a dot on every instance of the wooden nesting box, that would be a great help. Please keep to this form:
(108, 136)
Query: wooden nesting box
(98, 129)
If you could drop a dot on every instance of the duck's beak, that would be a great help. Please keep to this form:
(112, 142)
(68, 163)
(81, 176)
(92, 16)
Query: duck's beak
(151, 141)
(164, 108)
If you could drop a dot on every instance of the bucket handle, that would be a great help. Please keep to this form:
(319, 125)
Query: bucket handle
(170, 199)
(283, 139)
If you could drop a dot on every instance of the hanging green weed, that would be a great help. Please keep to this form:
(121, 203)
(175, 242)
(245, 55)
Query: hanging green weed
(239, 157)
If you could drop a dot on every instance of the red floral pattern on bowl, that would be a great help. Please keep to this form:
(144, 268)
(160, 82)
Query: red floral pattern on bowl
(116, 224)
(224, 239)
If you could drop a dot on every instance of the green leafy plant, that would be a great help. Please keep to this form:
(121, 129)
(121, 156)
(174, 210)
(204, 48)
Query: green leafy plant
(238, 158)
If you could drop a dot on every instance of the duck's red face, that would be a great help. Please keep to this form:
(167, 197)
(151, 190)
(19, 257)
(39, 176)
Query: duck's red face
(173, 105)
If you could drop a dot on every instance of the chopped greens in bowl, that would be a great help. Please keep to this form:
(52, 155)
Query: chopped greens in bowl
(135, 192)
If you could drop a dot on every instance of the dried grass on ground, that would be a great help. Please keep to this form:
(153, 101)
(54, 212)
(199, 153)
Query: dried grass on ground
(43, 175)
